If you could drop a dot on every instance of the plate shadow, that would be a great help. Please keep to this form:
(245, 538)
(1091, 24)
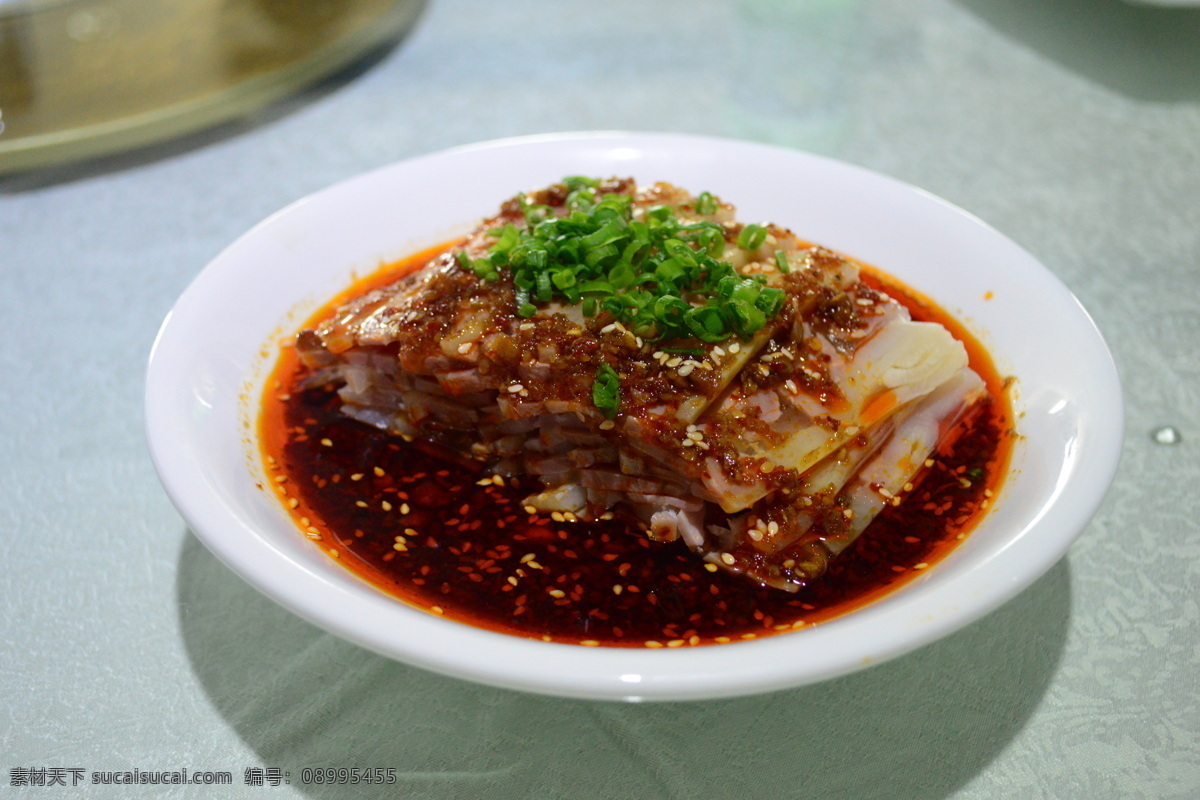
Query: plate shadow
(918, 727)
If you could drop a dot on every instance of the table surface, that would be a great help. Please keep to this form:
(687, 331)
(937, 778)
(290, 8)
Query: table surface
(1073, 127)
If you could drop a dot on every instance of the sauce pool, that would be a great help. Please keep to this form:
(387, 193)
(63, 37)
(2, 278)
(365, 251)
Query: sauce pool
(437, 532)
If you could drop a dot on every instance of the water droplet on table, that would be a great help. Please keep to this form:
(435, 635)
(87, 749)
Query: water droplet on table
(1167, 434)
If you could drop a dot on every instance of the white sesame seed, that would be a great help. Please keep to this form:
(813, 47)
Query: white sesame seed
(728, 558)
(686, 370)
(514, 388)
(734, 347)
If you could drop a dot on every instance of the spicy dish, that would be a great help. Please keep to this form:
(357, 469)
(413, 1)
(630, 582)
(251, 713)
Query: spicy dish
(614, 414)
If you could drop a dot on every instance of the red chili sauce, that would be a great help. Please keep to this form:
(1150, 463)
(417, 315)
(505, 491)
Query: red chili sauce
(439, 533)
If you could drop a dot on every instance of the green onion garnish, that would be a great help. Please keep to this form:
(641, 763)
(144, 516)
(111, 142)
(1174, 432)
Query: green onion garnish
(606, 390)
(752, 237)
(781, 261)
(661, 278)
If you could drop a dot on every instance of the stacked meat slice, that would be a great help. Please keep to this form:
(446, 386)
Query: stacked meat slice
(766, 455)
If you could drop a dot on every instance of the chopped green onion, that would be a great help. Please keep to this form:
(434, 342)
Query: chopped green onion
(707, 324)
(770, 300)
(747, 319)
(544, 289)
(662, 278)
(606, 390)
(781, 261)
(752, 237)
(506, 238)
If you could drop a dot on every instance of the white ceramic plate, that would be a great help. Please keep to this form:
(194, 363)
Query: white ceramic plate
(216, 346)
